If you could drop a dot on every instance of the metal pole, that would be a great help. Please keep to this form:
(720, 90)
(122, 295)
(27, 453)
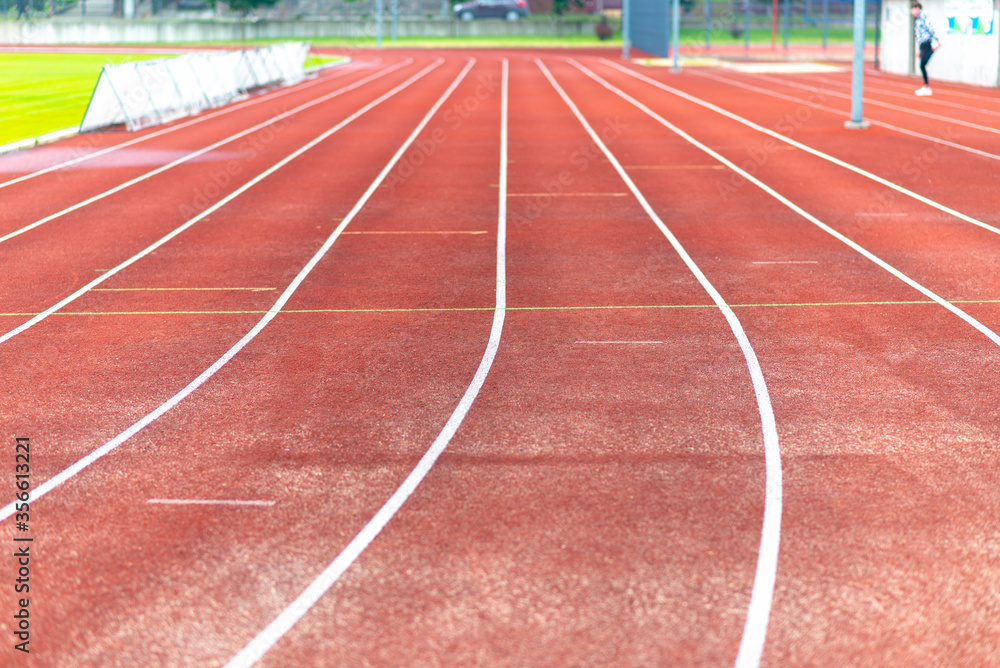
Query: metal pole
(858, 70)
(675, 39)
(394, 30)
(826, 21)
(788, 20)
(708, 25)
(878, 31)
(774, 25)
(378, 24)
(746, 25)
(626, 34)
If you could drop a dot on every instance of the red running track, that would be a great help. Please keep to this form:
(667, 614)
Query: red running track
(510, 358)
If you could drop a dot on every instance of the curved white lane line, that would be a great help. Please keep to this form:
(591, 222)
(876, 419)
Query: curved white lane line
(266, 97)
(759, 609)
(195, 154)
(980, 327)
(800, 145)
(813, 105)
(750, 658)
(274, 631)
(222, 202)
(81, 464)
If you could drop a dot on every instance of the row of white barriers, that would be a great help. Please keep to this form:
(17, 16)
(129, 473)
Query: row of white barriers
(142, 93)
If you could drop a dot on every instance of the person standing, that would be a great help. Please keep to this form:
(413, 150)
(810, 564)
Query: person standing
(926, 40)
(22, 10)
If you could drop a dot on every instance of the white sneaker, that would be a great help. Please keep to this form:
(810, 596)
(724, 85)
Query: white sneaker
(923, 90)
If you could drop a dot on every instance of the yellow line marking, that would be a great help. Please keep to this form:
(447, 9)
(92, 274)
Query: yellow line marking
(173, 289)
(783, 67)
(689, 61)
(417, 232)
(638, 343)
(676, 167)
(745, 147)
(567, 194)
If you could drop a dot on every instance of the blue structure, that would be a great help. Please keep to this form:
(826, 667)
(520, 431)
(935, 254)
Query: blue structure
(649, 25)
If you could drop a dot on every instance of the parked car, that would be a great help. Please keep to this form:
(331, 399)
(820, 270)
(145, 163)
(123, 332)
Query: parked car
(511, 10)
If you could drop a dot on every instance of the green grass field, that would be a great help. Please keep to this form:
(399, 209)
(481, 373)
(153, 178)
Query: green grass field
(45, 92)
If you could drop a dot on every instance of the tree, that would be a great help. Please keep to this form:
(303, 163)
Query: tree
(559, 7)
(246, 7)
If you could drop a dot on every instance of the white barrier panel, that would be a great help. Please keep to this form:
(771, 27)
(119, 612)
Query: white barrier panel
(149, 92)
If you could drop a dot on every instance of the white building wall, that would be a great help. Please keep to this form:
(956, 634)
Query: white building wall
(962, 58)
(118, 31)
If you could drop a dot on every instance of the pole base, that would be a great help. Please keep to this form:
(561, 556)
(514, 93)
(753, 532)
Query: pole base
(856, 125)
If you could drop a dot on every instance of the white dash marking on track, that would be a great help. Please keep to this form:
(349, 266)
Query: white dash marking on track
(417, 232)
(628, 167)
(179, 289)
(557, 194)
(209, 502)
(632, 343)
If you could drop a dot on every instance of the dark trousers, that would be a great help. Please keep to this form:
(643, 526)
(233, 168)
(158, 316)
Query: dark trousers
(925, 55)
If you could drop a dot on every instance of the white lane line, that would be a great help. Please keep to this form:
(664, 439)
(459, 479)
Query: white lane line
(882, 124)
(274, 631)
(31, 142)
(808, 149)
(907, 95)
(983, 329)
(887, 105)
(218, 205)
(267, 97)
(981, 96)
(208, 502)
(195, 154)
(86, 461)
(751, 648)
(762, 594)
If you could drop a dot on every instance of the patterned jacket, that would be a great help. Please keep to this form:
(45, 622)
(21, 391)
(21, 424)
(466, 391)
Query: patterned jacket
(923, 30)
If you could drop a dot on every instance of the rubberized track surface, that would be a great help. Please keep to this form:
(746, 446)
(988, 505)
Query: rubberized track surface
(531, 358)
